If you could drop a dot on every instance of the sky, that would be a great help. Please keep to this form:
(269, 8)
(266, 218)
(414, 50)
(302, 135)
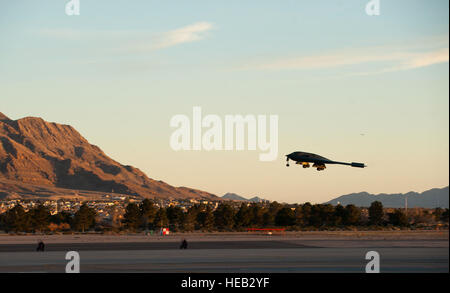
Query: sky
(345, 85)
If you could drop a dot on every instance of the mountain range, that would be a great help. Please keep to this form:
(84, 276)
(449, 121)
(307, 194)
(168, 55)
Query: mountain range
(234, 196)
(437, 197)
(36, 155)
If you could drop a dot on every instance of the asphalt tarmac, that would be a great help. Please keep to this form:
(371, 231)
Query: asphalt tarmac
(102, 246)
(258, 256)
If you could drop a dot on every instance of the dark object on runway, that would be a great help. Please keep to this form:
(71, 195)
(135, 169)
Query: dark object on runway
(318, 162)
(184, 244)
(41, 246)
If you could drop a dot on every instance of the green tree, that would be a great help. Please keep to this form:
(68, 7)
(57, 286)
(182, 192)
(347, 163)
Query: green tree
(16, 219)
(175, 216)
(444, 216)
(376, 213)
(316, 216)
(193, 213)
(437, 214)
(148, 212)
(339, 216)
(327, 214)
(257, 213)
(352, 215)
(84, 218)
(224, 217)
(205, 219)
(62, 217)
(285, 217)
(132, 217)
(269, 215)
(161, 219)
(243, 217)
(398, 218)
(299, 217)
(40, 217)
(188, 220)
(2, 222)
(306, 210)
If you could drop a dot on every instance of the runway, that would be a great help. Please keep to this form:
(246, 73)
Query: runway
(257, 256)
(152, 245)
(289, 260)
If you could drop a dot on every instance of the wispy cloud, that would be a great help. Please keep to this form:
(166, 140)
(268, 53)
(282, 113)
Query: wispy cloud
(426, 59)
(135, 40)
(187, 34)
(391, 58)
(328, 60)
(413, 61)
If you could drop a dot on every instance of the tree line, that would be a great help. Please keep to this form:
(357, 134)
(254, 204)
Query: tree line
(226, 217)
(39, 219)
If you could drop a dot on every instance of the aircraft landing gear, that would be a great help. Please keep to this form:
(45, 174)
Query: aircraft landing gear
(287, 162)
(320, 167)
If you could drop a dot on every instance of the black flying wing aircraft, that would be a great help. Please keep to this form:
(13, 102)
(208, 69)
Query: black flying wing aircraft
(318, 162)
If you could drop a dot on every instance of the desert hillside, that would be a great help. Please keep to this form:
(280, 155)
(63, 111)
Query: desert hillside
(33, 151)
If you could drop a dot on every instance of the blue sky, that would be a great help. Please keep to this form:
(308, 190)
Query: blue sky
(122, 69)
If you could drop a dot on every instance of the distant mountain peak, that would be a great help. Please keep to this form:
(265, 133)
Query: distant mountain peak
(256, 199)
(3, 117)
(234, 196)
